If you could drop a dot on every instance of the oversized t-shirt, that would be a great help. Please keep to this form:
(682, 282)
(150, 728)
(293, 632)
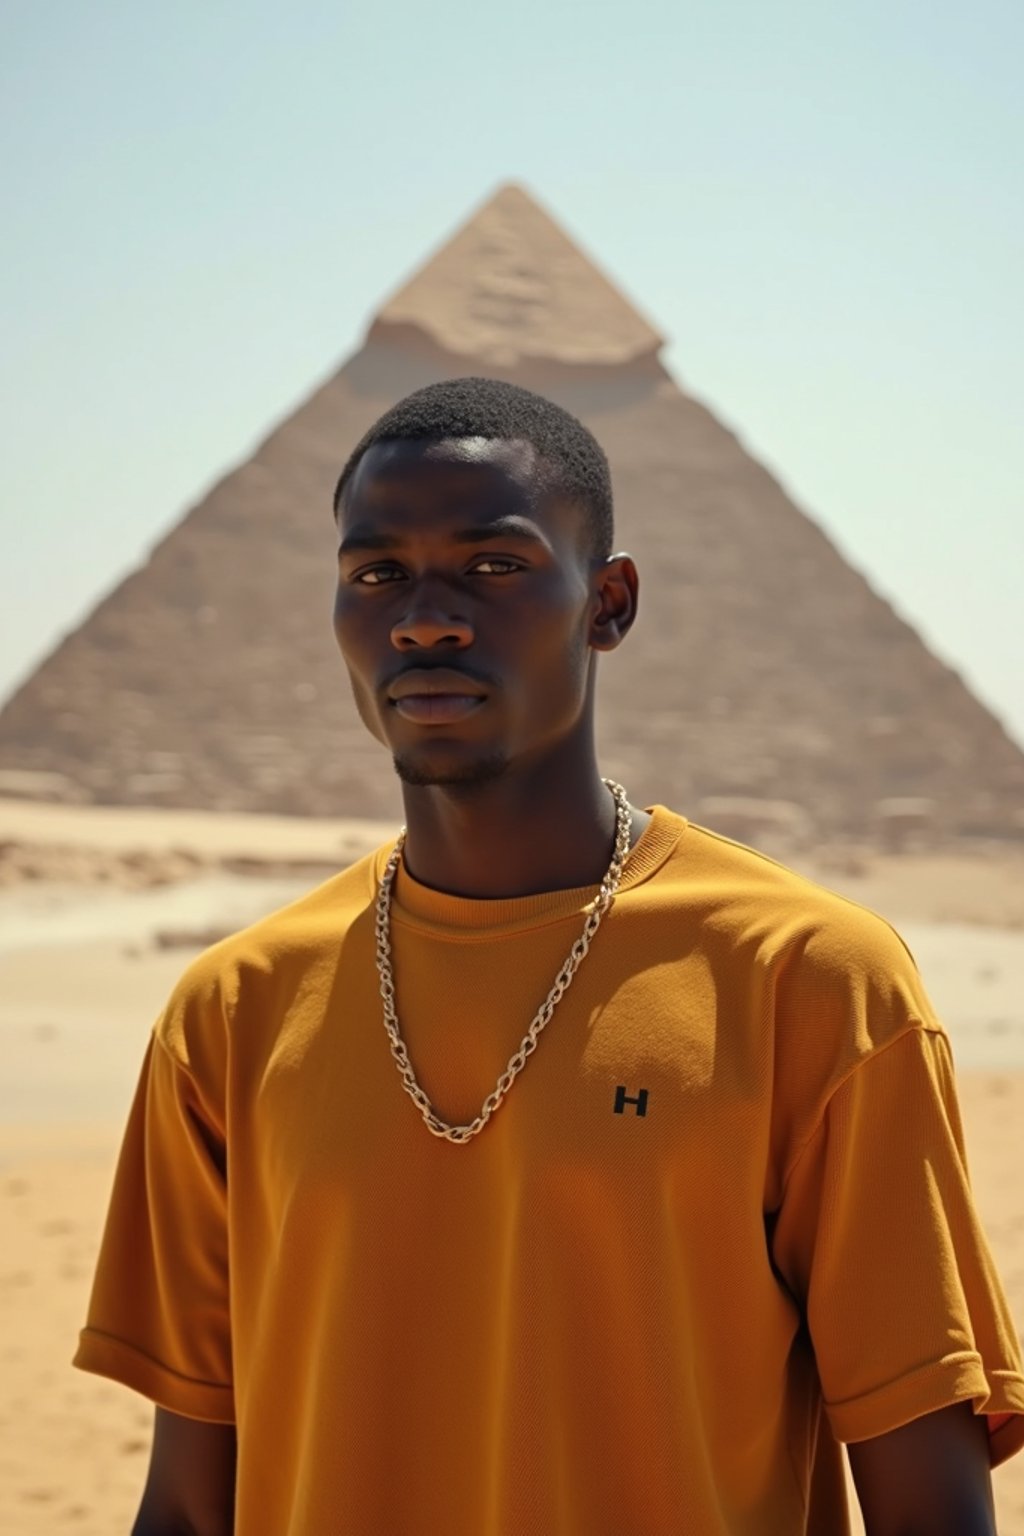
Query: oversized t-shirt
(721, 1223)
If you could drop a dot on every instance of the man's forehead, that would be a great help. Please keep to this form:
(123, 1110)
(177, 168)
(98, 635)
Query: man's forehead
(514, 455)
(469, 479)
(512, 460)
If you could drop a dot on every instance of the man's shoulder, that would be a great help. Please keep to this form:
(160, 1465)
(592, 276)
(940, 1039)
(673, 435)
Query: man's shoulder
(316, 920)
(732, 873)
(292, 941)
(832, 979)
(810, 936)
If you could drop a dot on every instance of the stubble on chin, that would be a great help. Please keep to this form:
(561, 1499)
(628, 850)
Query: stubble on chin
(482, 770)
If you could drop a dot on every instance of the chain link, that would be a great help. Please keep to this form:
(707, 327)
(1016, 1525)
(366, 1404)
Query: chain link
(601, 903)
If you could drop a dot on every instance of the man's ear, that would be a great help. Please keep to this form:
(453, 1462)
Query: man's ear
(616, 591)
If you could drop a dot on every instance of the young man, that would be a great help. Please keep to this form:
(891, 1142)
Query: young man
(645, 1282)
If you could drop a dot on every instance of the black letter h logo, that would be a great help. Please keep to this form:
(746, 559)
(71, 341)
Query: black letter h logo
(622, 1099)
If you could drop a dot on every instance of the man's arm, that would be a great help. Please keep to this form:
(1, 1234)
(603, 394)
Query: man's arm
(190, 1487)
(928, 1478)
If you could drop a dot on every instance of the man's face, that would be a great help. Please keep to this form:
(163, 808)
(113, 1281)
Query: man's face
(465, 606)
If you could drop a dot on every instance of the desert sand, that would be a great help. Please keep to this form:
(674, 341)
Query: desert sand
(100, 910)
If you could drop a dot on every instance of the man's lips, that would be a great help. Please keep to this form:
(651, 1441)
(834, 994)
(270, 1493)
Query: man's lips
(437, 708)
(429, 680)
(435, 695)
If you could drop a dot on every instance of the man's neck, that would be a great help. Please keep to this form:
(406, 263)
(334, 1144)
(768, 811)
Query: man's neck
(518, 835)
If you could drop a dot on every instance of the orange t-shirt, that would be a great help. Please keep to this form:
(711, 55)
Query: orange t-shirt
(721, 1222)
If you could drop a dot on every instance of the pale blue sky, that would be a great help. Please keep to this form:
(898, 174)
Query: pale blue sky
(819, 204)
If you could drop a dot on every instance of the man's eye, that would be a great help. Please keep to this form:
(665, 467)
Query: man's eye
(377, 575)
(494, 565)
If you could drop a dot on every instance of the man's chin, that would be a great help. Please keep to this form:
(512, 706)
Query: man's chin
(416, 769)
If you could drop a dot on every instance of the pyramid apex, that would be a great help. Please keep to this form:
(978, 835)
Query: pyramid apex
(511, 287)
(513, 188)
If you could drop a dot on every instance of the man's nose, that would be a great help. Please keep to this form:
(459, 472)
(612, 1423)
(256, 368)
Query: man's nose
(427, 624)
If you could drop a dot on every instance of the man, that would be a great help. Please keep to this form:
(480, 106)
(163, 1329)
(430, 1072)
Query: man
(643, 1282)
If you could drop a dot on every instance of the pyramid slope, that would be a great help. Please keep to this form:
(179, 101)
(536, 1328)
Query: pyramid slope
(510, 287)
(762, 666)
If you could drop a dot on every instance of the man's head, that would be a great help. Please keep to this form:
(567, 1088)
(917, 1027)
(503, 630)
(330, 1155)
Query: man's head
(476, 581)
(567, 458)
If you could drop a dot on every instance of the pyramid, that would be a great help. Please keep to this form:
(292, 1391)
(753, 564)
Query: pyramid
(765, 685)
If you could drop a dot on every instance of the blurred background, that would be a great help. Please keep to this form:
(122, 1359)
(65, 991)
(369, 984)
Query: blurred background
(771, 255)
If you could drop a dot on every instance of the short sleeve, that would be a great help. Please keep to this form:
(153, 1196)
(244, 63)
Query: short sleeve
(878, 1238)
(159, 1315)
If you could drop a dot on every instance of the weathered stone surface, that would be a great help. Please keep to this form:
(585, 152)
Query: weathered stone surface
(762, 667)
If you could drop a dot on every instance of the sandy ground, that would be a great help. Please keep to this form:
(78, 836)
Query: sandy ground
(82, 895)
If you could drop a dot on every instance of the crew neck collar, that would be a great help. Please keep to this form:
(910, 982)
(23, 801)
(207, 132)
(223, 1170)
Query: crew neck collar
(419, 906)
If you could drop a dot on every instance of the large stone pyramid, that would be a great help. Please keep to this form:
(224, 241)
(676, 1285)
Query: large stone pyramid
(765, 681)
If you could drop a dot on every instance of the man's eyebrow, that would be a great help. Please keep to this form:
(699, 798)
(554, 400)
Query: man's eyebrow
(511, 527)
(365, 538)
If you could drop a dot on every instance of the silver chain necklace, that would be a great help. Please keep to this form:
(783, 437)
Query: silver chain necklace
(600, 905)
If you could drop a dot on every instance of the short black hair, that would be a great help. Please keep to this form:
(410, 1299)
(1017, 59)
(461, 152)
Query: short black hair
(478, 407)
